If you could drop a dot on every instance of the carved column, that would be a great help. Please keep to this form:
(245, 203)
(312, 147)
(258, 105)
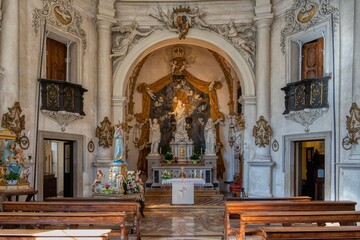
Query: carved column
(104, 83)
(9, 59)
(260, 167)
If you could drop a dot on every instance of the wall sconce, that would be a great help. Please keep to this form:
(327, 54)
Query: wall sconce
(231, 134)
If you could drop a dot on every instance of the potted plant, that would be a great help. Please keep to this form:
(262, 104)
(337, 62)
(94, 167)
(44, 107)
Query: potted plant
(168, 157)
(195, 158)
(11, 178)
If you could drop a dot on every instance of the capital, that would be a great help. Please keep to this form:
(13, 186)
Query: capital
(263, 21)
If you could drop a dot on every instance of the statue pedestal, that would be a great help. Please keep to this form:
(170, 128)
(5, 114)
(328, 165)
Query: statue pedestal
(116, 169)
(211, 161)
(153, 161)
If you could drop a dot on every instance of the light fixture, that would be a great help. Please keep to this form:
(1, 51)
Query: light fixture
(231, 134)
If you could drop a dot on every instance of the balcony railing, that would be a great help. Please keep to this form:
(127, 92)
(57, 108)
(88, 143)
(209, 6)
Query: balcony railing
(306, 94)
(62, 101)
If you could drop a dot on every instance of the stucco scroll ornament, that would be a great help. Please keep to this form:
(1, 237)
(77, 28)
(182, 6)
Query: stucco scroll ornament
(181, 19)
(305, 14)
(262, 132)
(61, 14)
(125, 37)
(353, 127)
(105, 133)
(13, 120)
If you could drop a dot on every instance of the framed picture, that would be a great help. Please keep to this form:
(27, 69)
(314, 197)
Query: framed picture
(24, 142)
(275, 146)
(91, 146)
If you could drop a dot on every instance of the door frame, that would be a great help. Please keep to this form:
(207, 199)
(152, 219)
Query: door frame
(78, 142)
(289, 160)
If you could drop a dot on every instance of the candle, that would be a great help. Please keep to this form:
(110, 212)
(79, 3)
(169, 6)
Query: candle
(201, 150)
(194, 173)
(200, 174)
(160, 150)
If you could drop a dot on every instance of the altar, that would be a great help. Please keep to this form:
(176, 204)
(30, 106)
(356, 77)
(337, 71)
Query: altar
(183, 189)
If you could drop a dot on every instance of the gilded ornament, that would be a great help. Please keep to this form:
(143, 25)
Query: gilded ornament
(262, 132)
(13, 120)
(105, 133)
(352, 126)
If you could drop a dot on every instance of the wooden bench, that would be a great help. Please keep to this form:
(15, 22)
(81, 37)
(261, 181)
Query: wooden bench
(292, 217)
(65, 218)
(130, 208)
(64, 234)
(101, 199)
(309, 232)
(238, 207)
(295, 199)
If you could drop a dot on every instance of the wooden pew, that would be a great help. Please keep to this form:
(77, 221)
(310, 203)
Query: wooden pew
(65, 218)
(295, 199)
(64, 234)
(292, 217)
(309, 232)
(101, 199)
(130, 208)
(238, 207)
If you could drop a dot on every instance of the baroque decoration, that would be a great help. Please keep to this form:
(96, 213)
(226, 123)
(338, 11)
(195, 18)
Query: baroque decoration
(262, 132)
(307, 116)
(181, 19)
(61, 14)
(162, 97)
(105, 133)
(353, 127)
(305, 14)
(62, 118)
(13, 120)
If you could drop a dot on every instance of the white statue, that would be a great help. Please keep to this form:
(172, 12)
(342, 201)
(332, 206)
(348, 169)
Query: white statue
(210, 137)
(155, 136)
(180, 116)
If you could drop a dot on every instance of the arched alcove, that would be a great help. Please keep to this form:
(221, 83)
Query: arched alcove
(205, 39)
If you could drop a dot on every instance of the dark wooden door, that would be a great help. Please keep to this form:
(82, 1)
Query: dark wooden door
(312, 59)
(55, 60)
(68, 169)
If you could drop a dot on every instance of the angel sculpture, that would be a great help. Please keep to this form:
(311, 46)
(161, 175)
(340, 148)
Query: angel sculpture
(127, 37)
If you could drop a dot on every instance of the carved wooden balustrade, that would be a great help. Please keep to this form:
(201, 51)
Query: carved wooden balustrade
(306, 94)
(306, 100)
(62, 101)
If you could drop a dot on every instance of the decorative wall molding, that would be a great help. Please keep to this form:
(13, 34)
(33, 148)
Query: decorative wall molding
(62, 118)
(306, 117)
(305, 14)
(13, 120)
(105, 133)
(353, 127)
(241, 36)
(61, 14)
(262, 132)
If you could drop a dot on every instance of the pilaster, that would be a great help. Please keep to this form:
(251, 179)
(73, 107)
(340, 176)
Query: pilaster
(9, 58)
(104, 81)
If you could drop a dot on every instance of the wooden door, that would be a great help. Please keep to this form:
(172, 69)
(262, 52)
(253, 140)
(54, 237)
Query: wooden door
(312, 59)
(55, 60)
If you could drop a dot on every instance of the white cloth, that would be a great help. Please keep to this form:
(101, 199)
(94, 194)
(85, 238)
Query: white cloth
(196, 181)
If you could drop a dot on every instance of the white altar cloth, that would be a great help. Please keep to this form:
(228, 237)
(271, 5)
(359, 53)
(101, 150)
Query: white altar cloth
(183, 189)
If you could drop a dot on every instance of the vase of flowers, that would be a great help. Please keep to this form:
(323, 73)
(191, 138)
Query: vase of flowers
(130, 184)
(165, 175)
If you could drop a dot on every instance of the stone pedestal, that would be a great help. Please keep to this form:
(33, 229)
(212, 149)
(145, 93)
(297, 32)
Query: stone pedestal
(116, 169)
(153, 161)
(211, 161)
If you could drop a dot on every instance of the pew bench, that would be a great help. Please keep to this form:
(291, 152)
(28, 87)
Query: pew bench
(131, 209)
(247, 199)
(291, 217)
(64, 234)
(315, 233)
(238, 207)
(59, 219)
(140, 200)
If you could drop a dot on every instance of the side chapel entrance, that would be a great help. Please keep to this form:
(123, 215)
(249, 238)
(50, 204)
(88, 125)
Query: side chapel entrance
(309, 177)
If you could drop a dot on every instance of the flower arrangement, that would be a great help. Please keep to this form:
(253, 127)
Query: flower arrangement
(165, 175)
(169, 157)
(11, 176)
(107, 189)
(130, 184)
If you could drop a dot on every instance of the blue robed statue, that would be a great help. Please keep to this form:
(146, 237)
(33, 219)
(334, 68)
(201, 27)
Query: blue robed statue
(119, 145)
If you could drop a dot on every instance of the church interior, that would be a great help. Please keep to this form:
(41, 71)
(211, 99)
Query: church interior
(175, 119)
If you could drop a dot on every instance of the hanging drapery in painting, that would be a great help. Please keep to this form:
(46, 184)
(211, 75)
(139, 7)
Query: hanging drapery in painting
(161, 97)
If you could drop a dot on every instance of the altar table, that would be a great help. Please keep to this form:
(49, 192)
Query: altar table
(183, 189)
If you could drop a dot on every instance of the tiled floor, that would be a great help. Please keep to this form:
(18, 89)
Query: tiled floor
(164, 221)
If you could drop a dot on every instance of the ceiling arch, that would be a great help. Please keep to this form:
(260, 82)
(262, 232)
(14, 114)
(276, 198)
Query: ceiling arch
(197, 37)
